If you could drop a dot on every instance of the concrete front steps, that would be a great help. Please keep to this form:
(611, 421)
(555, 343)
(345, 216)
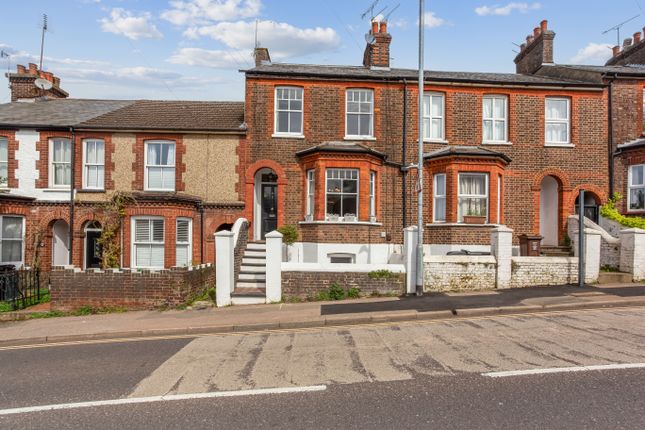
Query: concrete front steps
(250, 286)
(556, 251)
(615, 278)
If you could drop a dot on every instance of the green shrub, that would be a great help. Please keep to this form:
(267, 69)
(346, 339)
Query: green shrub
(289, 234)
(354, 293)
(381, 274)
(336, 292)
(323, 296)
(609, 211)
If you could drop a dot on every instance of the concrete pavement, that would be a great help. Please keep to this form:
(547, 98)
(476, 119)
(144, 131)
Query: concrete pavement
(318, 314)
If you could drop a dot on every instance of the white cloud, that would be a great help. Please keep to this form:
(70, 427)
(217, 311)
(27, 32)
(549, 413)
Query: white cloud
(218, 59)
(22, 57)
(593, 53)
(127, 24)
(431, 20)
(284, 40)
(138, 77)
(507, 9)
(195, 12)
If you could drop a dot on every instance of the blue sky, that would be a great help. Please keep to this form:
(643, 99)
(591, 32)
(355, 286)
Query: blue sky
(193, 49)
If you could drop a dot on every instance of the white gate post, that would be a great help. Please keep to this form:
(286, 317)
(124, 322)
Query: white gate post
(274, 267)
(410, 252)
(592, 255)
(501, 243)
(225, 267)
(632, 252)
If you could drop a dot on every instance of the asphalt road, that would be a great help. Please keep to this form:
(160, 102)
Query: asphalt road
(408, 375)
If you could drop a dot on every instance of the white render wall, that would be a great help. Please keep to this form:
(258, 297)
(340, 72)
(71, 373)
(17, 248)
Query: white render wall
(308, 252)
(455, 273)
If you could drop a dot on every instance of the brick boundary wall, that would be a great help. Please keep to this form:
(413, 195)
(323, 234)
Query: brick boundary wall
(129, 289)
(309, 284)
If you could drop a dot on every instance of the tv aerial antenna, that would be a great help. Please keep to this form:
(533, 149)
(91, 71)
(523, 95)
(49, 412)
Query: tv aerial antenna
(386, 18)
(44, 29)
(617, 28)
(370, 11)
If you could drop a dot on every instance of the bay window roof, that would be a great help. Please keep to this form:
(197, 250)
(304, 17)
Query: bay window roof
(466, 151)
(350, 147)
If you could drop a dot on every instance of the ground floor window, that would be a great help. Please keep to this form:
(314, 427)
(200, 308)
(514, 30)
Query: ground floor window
(11, 240)
(311, 189)
(439, 198)
(636, 192)
(184, 248)
(148, 243)
(342, 194)
(473, 195)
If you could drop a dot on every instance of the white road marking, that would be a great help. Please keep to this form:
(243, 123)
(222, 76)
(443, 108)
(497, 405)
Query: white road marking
(564, 370)
(167, 398)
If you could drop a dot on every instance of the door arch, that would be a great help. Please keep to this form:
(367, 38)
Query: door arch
(591, 206)
(93, 252)
(60, 243)
(265, 205)
(550, 190)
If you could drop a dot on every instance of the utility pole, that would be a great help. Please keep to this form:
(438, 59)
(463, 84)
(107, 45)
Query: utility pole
(581, 239)
(420, 146)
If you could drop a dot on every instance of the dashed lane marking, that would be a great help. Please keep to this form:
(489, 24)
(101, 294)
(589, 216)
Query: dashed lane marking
(599, 367)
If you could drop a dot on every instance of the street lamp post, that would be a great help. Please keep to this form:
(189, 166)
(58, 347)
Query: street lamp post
(419, 289)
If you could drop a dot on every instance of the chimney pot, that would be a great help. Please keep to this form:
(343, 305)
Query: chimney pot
(544, 25)
(637, 37)
(627, 42)
(523, 46)
(56, 81)
(536, 32)
(616, 50)
(529, 39)
(374, 27)
(33, 69)
(383, 28)
(20, 69)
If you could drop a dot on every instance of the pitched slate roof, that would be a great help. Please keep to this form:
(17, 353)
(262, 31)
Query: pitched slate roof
(335, 146)
(125, 115)
(359, 72)
(466, 151)
(631, 70)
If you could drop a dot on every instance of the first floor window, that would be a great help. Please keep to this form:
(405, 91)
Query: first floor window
(372, 194)
(440, 198)
(359, 111)
(148, 242)
(288, 110)
(93, 163)
(11, 239)
(342, 193)
(184, 244)
(495, 116)
(311, 187)
(160, 166)
(473, 195)
(4, 162)
(636, 192)
(61, 162)
(433, 116)
(557, 120)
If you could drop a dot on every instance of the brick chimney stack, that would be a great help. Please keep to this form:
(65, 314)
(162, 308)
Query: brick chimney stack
(261, 56)
(632, 52)
(22, 84)
(377, 54)
(537, 51)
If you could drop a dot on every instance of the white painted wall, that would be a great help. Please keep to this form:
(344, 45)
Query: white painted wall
(549, 211)
(308, 252)
(60, 244)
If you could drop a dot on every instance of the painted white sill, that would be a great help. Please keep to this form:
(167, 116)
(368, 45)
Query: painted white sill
(458, 224)
(287, 136)
(340, 223)
(559, 145)
(497, 143)
(435, 141)
(369, 138)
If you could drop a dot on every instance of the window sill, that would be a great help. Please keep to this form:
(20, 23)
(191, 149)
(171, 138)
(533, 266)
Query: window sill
(156, 190)
(559, 145)
(497, 143)
(340, 223)
(445, 142)
(287, 136)
(458, 224)
(368, 138)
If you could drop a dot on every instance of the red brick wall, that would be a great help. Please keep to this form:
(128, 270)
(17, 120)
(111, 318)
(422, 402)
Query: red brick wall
(308, 284)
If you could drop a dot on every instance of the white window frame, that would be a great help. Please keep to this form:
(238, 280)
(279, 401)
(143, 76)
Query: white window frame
(631, 187)
(20, 263)
(311, 193)
(429, 117)
(495, 98)
(341, 193)
(369, 136)
(87, 165)
(134, 243)
(372, 195)
(460, 196)
(52, 163)
(4, 181)
(548, 121)
(436, 196)
(147, 166)
(277, 133)
(188, 244)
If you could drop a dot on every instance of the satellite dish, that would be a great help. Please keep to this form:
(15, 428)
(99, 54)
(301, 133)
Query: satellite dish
(370, 39)
(43, 84)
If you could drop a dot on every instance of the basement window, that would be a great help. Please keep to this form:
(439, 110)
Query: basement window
(341, 258)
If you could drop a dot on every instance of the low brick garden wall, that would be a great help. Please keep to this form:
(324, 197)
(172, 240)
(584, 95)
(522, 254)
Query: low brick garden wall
(305, 284)
(543, 271)
(129, 289)
(459, 273)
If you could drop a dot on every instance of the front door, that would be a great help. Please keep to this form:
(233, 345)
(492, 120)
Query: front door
(93, 250)
(269, 209)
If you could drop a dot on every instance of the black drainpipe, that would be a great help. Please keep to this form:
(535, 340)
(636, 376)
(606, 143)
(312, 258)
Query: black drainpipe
(611, 138)
(404, 194)
(71, 196)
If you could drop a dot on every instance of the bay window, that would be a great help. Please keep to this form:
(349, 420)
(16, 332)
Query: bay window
(4, 162)
(439, 198)
(11, 240)
(342, 194)
(60, 167)
(433, 116)
(288, 111)
(557, 121)
(183, 244)
(495, 116)
(359, 111)
(311, 189)
(372, 195)
(160, 166)
(473, 195)
(93, 164)
(636, 191)
(148, 243)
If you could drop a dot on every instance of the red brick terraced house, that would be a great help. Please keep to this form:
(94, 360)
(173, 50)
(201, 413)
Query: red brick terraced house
(624, 77)
(175, 162)
(328, 149)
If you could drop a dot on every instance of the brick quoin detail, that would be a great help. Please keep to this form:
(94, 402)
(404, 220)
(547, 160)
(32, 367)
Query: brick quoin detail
(139, 160)
(12, 147)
